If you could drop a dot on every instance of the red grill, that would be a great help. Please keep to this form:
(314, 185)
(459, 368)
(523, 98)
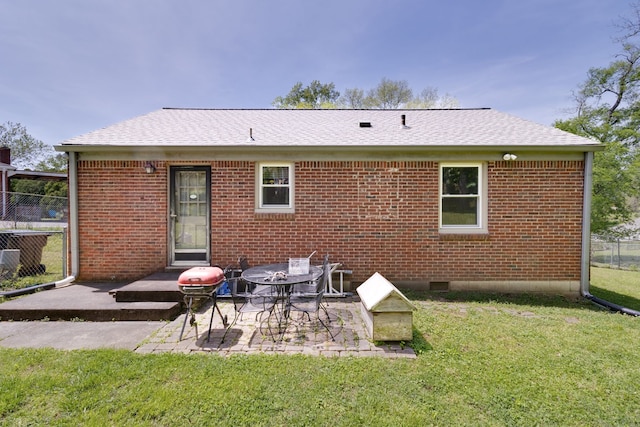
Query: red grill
(201, 282)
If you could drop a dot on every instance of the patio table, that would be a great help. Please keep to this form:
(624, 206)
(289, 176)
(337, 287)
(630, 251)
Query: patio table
(277, 276)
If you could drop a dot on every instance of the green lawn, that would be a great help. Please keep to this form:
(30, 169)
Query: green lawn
(483, 360)
(617, 286)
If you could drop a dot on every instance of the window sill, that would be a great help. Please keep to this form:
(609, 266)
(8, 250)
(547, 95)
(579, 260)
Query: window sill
(275, 210)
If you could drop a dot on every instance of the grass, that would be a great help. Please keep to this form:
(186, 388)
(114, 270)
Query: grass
(482, 360)
(618, 286)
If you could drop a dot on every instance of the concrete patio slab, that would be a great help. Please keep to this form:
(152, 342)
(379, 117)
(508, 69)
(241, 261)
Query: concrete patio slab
(76, 335)
(93, 302)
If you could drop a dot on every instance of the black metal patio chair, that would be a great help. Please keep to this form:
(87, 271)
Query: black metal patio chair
(308, 297)
(247, 297)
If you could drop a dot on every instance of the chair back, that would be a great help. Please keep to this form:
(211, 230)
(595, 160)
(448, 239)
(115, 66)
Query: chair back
(243, 262)
(238, 287)
(321, 283)
(312, 302)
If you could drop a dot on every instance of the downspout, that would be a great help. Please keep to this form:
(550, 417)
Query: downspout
(586, 243)
(73, 221)
(74, 234)
(586, 225)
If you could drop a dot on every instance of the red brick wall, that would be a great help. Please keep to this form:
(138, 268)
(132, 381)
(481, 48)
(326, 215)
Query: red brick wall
(372, 216)
(122, 220)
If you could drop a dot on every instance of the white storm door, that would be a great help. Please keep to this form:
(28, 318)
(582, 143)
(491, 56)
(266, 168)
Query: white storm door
(190, 215)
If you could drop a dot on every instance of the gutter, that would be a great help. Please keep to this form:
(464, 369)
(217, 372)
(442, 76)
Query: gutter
(255, 152)
(586, 244)
(132, 149)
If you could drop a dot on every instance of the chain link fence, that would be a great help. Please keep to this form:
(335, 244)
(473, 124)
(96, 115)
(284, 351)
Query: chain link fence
(623, 254)
(33, 237)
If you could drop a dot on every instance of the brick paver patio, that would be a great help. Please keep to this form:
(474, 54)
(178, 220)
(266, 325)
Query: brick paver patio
(250, 335)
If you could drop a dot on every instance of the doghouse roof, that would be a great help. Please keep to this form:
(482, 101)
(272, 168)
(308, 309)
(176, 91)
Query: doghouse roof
(379, 295)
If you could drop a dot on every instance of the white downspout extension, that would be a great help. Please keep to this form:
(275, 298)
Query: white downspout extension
(73, 221)
(586, 224)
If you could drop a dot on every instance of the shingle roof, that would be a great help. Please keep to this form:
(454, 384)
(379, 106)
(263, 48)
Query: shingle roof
(296, 128)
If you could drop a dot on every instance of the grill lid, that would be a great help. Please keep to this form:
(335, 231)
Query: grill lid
(201, 276)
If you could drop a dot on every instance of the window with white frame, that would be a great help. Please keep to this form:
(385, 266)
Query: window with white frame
(275, 187)
(462, 194)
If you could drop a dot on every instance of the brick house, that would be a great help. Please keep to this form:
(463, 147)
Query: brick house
(453, 199)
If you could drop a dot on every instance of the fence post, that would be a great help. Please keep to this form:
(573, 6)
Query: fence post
(612, 256)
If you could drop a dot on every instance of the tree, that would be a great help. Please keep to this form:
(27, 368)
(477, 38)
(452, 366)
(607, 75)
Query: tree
(389, 94)
(28, 152)
(28, 186)
(315, 95)
(429, 98)
(353, 99)
(608, 110)
(53, 163)
(25, 149)
(614, 173)
(630, 25)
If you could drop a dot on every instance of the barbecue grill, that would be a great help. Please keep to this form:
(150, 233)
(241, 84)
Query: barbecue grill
(201, 283)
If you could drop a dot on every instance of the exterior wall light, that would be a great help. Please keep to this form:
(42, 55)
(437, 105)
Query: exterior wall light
(149, 168)
(509, 157)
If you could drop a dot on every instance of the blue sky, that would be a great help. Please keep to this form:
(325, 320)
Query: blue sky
(72, 66)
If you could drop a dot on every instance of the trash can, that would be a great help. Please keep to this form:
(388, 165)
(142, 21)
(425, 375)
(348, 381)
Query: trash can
(30, 244)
